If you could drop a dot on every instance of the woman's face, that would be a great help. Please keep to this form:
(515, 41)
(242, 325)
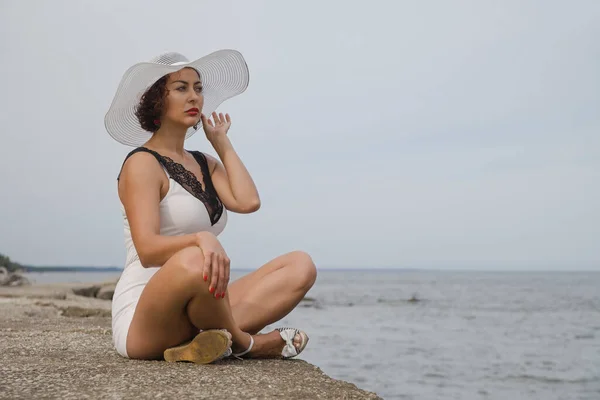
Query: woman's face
(184, 98)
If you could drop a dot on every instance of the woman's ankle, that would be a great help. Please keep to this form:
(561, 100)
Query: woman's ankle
(243, 343)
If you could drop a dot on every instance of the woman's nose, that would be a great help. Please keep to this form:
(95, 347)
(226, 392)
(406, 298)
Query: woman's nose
(195, 96)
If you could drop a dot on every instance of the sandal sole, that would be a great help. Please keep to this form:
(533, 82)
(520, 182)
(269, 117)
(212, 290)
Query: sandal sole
(205, 348)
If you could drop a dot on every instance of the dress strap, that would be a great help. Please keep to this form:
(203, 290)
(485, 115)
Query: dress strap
(144, 149)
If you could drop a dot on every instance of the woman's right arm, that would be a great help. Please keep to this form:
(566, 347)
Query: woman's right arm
(139, 191)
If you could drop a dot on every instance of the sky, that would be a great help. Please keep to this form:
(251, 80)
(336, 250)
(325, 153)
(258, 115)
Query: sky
(431, 134)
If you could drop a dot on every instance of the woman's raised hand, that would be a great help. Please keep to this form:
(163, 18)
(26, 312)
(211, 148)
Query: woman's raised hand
(217, 129)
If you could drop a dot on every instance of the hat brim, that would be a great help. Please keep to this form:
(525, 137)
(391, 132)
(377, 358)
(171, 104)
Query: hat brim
(224, 75)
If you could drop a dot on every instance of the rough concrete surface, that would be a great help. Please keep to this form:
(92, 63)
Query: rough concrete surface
(57, 345)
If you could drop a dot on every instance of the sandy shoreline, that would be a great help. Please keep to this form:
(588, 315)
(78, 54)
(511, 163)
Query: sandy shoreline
(57, 345)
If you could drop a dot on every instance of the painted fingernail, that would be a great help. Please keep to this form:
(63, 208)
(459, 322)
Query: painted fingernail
(223, 295)
(212, 289)
(205, 278)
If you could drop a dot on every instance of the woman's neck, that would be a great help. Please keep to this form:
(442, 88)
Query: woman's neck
(168, 140)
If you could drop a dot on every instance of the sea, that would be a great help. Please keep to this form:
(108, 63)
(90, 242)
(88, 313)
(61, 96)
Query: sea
(407, 334)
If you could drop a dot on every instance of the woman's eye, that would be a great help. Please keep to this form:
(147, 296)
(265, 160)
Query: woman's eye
(181, 89)
(199, 89)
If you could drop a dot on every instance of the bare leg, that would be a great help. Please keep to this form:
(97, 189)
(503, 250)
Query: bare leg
(161, 319)
(272, 291)
(259, 299)
(176, 303)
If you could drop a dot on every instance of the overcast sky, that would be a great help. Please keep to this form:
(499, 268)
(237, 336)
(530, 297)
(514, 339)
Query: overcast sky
(420, 134)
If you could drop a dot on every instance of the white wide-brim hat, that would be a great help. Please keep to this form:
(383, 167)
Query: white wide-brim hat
(224, 74)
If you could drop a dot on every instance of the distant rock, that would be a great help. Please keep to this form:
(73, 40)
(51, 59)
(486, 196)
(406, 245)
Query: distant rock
(88, 291)
(104, 291)
(81, 312)
(413, 299)
(12, 278)
(310, 302)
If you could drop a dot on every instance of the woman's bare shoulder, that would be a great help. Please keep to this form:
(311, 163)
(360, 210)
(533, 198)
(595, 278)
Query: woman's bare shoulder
(140, 165)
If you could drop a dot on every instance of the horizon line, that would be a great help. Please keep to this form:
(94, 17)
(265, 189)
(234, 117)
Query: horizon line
(351, 268)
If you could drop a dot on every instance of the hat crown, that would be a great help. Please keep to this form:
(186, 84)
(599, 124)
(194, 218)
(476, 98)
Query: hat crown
(170, 59)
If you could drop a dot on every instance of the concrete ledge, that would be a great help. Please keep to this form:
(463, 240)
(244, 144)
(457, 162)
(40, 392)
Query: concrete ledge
(57, 345)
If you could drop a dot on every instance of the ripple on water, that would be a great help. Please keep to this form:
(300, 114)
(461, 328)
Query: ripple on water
(585, 336)
(549, 379)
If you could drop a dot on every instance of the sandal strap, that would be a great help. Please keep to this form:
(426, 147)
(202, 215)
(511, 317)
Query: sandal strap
(288, 335)
(238, 355)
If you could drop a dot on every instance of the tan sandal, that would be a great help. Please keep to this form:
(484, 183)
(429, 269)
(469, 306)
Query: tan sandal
(206, 347)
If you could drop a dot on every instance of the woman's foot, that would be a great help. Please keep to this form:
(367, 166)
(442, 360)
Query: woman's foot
(206, 347)
(280, 343)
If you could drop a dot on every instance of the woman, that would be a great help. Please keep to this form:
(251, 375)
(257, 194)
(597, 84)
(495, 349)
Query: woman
(173, 299)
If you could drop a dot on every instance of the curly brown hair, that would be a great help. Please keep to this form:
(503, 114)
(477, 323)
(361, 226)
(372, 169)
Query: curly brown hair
(151, 105)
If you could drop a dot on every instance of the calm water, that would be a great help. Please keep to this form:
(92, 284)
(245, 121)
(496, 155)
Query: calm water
(471, 335)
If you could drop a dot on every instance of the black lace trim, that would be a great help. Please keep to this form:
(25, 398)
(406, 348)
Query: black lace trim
(208, 194)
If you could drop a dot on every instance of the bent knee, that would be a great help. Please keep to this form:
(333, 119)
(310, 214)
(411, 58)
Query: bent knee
(307, 271)
(191, 261)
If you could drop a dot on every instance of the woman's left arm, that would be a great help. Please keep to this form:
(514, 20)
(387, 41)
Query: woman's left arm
(231, 179)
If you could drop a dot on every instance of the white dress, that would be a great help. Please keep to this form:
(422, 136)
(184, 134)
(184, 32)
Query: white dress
(186, 208)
